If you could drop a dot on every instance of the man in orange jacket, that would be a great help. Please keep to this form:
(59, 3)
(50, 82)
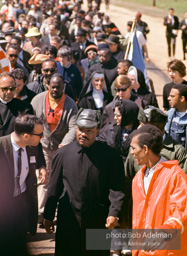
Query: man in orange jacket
(159, 191)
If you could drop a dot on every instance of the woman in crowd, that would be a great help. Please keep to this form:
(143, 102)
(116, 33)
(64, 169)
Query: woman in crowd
(177, 70)
(140, 88)
(117, 135)
(96, 95)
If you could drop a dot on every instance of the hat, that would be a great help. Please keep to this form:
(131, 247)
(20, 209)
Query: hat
(90, 47)
(33, 32)
(103, 46)
(97, 29)
(101, 37)
(112, 39)
(9, 31)
(81, 32)
(152, 114)
(138, 14)
(88, 118)
(38, 59)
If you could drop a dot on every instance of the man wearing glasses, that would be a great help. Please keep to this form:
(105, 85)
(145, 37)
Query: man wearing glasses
(12, 55)
(10, 106)
(18, 184)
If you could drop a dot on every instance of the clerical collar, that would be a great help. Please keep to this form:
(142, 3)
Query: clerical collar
(3, 101)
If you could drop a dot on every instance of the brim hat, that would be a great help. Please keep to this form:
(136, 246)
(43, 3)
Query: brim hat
(33, 32)
(112, 39)
(38, 59)
(152, 114)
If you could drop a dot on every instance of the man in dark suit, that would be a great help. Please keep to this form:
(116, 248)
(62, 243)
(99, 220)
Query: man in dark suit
(81, 43)
(172, 25)
(24, 56)
(52, 31)
(183, 27)
(18, 184)
(10, 106)
(90, 189)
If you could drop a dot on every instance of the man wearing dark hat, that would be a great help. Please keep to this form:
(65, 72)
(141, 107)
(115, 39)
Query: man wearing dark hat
(114, 45)
(107, 64)
(171, 150)
(89, 189)
(81, 42)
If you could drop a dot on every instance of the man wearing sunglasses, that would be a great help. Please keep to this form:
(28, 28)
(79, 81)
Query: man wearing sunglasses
(12, 55)
(18, 185)
(10, 106)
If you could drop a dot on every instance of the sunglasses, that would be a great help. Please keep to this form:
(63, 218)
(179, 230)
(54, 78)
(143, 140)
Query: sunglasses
(52, 70)
(6, 89)
(92, 53)
(37, 134)
(121, 89)
(13, 55)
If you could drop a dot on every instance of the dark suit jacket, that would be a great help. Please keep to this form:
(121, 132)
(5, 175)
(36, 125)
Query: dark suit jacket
(7, 185)
(8, 113)
(184, 31)
(170, 27)
(76, 46)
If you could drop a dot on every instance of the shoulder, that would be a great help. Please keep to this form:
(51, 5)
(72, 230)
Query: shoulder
(40, 96)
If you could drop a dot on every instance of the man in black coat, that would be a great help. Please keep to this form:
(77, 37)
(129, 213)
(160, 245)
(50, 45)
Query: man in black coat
(10, 107)
(107, 65)
(18, 185)
(172, 25)
(183, 27)
(81, 43)
(88, 182)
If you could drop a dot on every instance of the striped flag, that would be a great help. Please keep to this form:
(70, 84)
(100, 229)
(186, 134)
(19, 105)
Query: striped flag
(4, 62)
(135, 55)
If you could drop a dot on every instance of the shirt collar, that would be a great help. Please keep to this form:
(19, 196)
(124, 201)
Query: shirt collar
(14, 144)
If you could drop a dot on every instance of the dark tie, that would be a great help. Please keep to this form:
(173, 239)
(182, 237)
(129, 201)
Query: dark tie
(17, 185)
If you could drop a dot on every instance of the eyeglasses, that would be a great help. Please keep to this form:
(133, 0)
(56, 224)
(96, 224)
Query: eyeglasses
(6, 89)
(13, 55)
(52, 70)
(37, 134)
(117, 115)
(121, 89)
(92, 53)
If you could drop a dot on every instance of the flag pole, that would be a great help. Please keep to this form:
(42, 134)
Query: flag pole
(130, 39)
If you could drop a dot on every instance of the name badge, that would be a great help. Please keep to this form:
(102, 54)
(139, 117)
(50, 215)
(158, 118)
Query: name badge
(32, 159)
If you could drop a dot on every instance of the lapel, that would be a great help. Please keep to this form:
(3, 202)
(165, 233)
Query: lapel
(5, 113)
(9, 155)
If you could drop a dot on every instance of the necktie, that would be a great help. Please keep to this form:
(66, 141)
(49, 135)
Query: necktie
(17, 185)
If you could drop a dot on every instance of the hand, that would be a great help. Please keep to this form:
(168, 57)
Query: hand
(147, 59)
(111, 222)
(49, 226)
(42, 175)
(60, 146)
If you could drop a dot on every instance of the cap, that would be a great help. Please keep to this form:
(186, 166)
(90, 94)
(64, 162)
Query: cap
(103, 47)
(152, 114)
(112, 39)
(101, 37)
(88, 118)
(81, 32)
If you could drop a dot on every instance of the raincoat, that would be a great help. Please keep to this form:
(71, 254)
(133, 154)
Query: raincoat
(164, 206)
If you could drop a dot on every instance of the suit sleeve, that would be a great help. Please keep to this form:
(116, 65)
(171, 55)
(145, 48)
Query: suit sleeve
(56, 186)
